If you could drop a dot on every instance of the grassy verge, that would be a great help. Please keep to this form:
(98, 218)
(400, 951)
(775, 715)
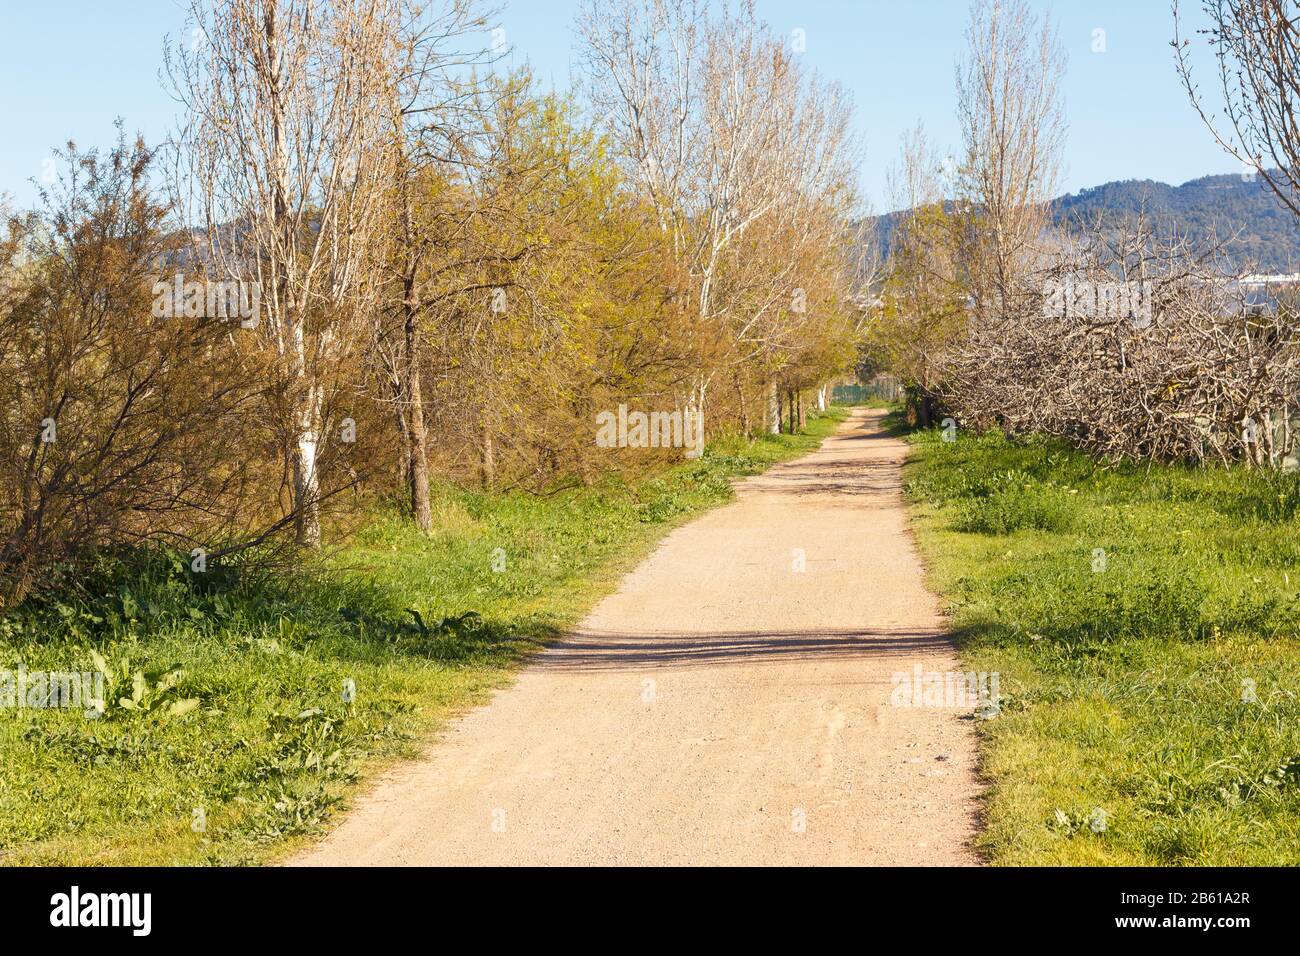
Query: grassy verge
(1144, 626)
(303, 687)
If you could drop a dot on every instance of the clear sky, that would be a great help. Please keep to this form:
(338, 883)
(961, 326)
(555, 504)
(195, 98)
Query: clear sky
(69, 67)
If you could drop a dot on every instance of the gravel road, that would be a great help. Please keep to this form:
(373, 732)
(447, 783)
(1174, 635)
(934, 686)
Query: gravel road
(729, 704)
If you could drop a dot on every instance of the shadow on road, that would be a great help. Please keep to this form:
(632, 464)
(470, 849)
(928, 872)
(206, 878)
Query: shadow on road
(603, 651)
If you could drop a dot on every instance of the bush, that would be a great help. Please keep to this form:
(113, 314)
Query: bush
(118, 426)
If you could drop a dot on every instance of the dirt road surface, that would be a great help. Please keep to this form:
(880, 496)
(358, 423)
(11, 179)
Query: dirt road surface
(729, 704)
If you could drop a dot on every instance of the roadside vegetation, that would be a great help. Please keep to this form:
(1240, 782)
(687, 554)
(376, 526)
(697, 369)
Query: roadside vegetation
(412, 627)
(1144, 623)
(303, 412)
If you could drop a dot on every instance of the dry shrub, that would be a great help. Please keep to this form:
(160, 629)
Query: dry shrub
(117, 427)
(1203, 374)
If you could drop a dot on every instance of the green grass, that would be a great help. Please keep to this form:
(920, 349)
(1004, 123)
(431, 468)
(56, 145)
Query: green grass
(274, 749)
(1143, 622)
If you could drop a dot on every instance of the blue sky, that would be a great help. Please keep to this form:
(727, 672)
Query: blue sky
(69, 67)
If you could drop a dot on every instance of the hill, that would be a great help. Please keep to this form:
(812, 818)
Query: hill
(1267, 234)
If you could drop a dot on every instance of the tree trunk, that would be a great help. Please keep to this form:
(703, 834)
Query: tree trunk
(403, 431)
(773, 409)
(744, 409)
(306, 395)
(416, 449)
(421, 510)
(489, 462)
(697, 410)
(821, 398)
(306, 477)
(803, 422)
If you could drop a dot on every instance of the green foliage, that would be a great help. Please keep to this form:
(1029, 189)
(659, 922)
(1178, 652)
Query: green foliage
(1145, 623)
(310, 679)
(1014, 501)
(139, 691)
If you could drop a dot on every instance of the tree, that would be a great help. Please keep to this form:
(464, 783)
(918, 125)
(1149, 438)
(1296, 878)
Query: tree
(118, 426)
(922, 309)
(285, 163)
(744, 157)
(1008, 104)
(432, 109)
(1256, 48)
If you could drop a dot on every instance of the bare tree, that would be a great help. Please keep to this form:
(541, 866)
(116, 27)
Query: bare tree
(1008, 104)
(285, 160)
(726, 136)
(1256, 47)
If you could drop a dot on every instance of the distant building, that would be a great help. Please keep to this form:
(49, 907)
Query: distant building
(1261, 292)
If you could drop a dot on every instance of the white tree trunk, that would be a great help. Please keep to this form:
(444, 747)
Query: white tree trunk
(306, 474)
(821, 398)
(773, 409)
(692, 434)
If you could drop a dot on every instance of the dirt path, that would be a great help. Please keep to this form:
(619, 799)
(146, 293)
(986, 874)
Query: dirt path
(721, 708)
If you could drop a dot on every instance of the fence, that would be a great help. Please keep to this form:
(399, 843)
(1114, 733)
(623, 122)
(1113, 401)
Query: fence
(880, 388)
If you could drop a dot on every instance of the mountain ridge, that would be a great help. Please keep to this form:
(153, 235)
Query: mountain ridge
(1267, 235)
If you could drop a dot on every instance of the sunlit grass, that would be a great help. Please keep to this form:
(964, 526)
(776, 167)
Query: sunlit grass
(422, 627)
(1144, 624)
